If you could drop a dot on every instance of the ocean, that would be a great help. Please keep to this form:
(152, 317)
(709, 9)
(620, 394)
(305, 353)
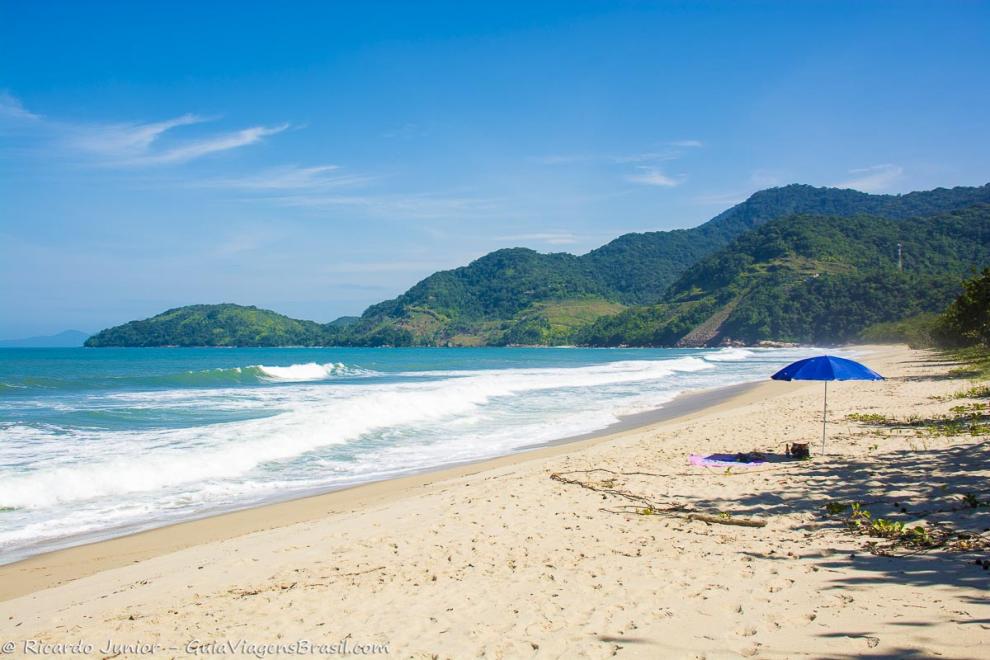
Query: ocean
(96, 443)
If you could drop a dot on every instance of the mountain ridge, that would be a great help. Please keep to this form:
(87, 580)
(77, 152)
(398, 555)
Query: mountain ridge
(632, 269)
(521, 296)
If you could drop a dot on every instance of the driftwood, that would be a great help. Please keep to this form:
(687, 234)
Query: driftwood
(726, 520)
(645, 501)
(654, 509)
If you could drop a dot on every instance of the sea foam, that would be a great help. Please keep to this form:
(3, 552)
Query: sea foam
(311, 371)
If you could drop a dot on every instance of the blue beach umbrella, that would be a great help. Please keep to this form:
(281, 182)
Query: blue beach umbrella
(826, 368)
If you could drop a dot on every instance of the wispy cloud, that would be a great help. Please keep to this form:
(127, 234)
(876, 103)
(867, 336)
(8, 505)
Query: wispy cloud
(875, 178)
(646, 157)
(292, 177)
(550, 238)
(410, 206)
(209, 145)
(646, 163)
(12, 108)
(125, 140)
(670, 151)
(651, 176)
(720, 199)
(135, 142)
(326, 186)
(759, 179)
(381, 266)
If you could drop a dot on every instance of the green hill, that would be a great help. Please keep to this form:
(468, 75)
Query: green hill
(809, 279)
(483, 302)
(213, 325)
(510, 296)
(638, 268)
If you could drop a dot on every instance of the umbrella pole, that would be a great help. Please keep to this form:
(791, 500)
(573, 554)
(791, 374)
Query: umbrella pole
(824, 417)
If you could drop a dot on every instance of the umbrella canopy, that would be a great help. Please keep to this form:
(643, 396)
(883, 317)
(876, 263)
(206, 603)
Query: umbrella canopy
(826, 368)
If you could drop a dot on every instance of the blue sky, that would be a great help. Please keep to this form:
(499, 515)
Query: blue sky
(317, 158)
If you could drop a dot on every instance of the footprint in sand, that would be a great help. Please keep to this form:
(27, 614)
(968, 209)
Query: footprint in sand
(779, 585)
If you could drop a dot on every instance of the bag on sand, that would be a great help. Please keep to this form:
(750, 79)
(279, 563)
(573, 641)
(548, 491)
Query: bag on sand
(798, 450)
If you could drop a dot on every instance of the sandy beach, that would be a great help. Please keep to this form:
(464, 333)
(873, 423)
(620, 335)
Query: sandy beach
(547, 553)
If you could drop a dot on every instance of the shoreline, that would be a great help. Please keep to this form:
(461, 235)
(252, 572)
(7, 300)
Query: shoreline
(60, 565)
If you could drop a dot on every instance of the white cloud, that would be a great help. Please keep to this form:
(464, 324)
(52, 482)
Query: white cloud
(621, 159)
(651, 176)
(380, 266)
(416, 206)
(12, 108)
(132, 143)
(645, 157)
(551, 238)
(645, 162)
(292, 177)
(720, 199)
(127, 140)
(209, 145)
(875, 178)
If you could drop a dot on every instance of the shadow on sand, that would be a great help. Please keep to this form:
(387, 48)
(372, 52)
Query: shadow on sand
(908, 486)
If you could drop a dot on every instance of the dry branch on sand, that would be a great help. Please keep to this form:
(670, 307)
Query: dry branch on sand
(651, 508)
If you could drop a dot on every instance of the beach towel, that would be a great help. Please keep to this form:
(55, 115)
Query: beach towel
(726, 460)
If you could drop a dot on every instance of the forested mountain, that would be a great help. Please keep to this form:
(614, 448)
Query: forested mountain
(521, 296)
(640, 267)
(810, 279)
(776, 266)
(213, 325)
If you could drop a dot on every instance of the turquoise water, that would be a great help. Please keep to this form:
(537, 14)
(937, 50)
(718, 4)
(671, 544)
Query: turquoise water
(99, 442)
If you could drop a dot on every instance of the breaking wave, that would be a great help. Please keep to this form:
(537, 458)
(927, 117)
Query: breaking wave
(256, 374)
(730, 354)
(310, 371)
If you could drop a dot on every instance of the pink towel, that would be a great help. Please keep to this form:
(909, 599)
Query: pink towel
(721, 460)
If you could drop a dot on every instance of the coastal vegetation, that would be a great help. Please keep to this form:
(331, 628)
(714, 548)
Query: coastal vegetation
(789, 264)
(964, 325)
(967, 320)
